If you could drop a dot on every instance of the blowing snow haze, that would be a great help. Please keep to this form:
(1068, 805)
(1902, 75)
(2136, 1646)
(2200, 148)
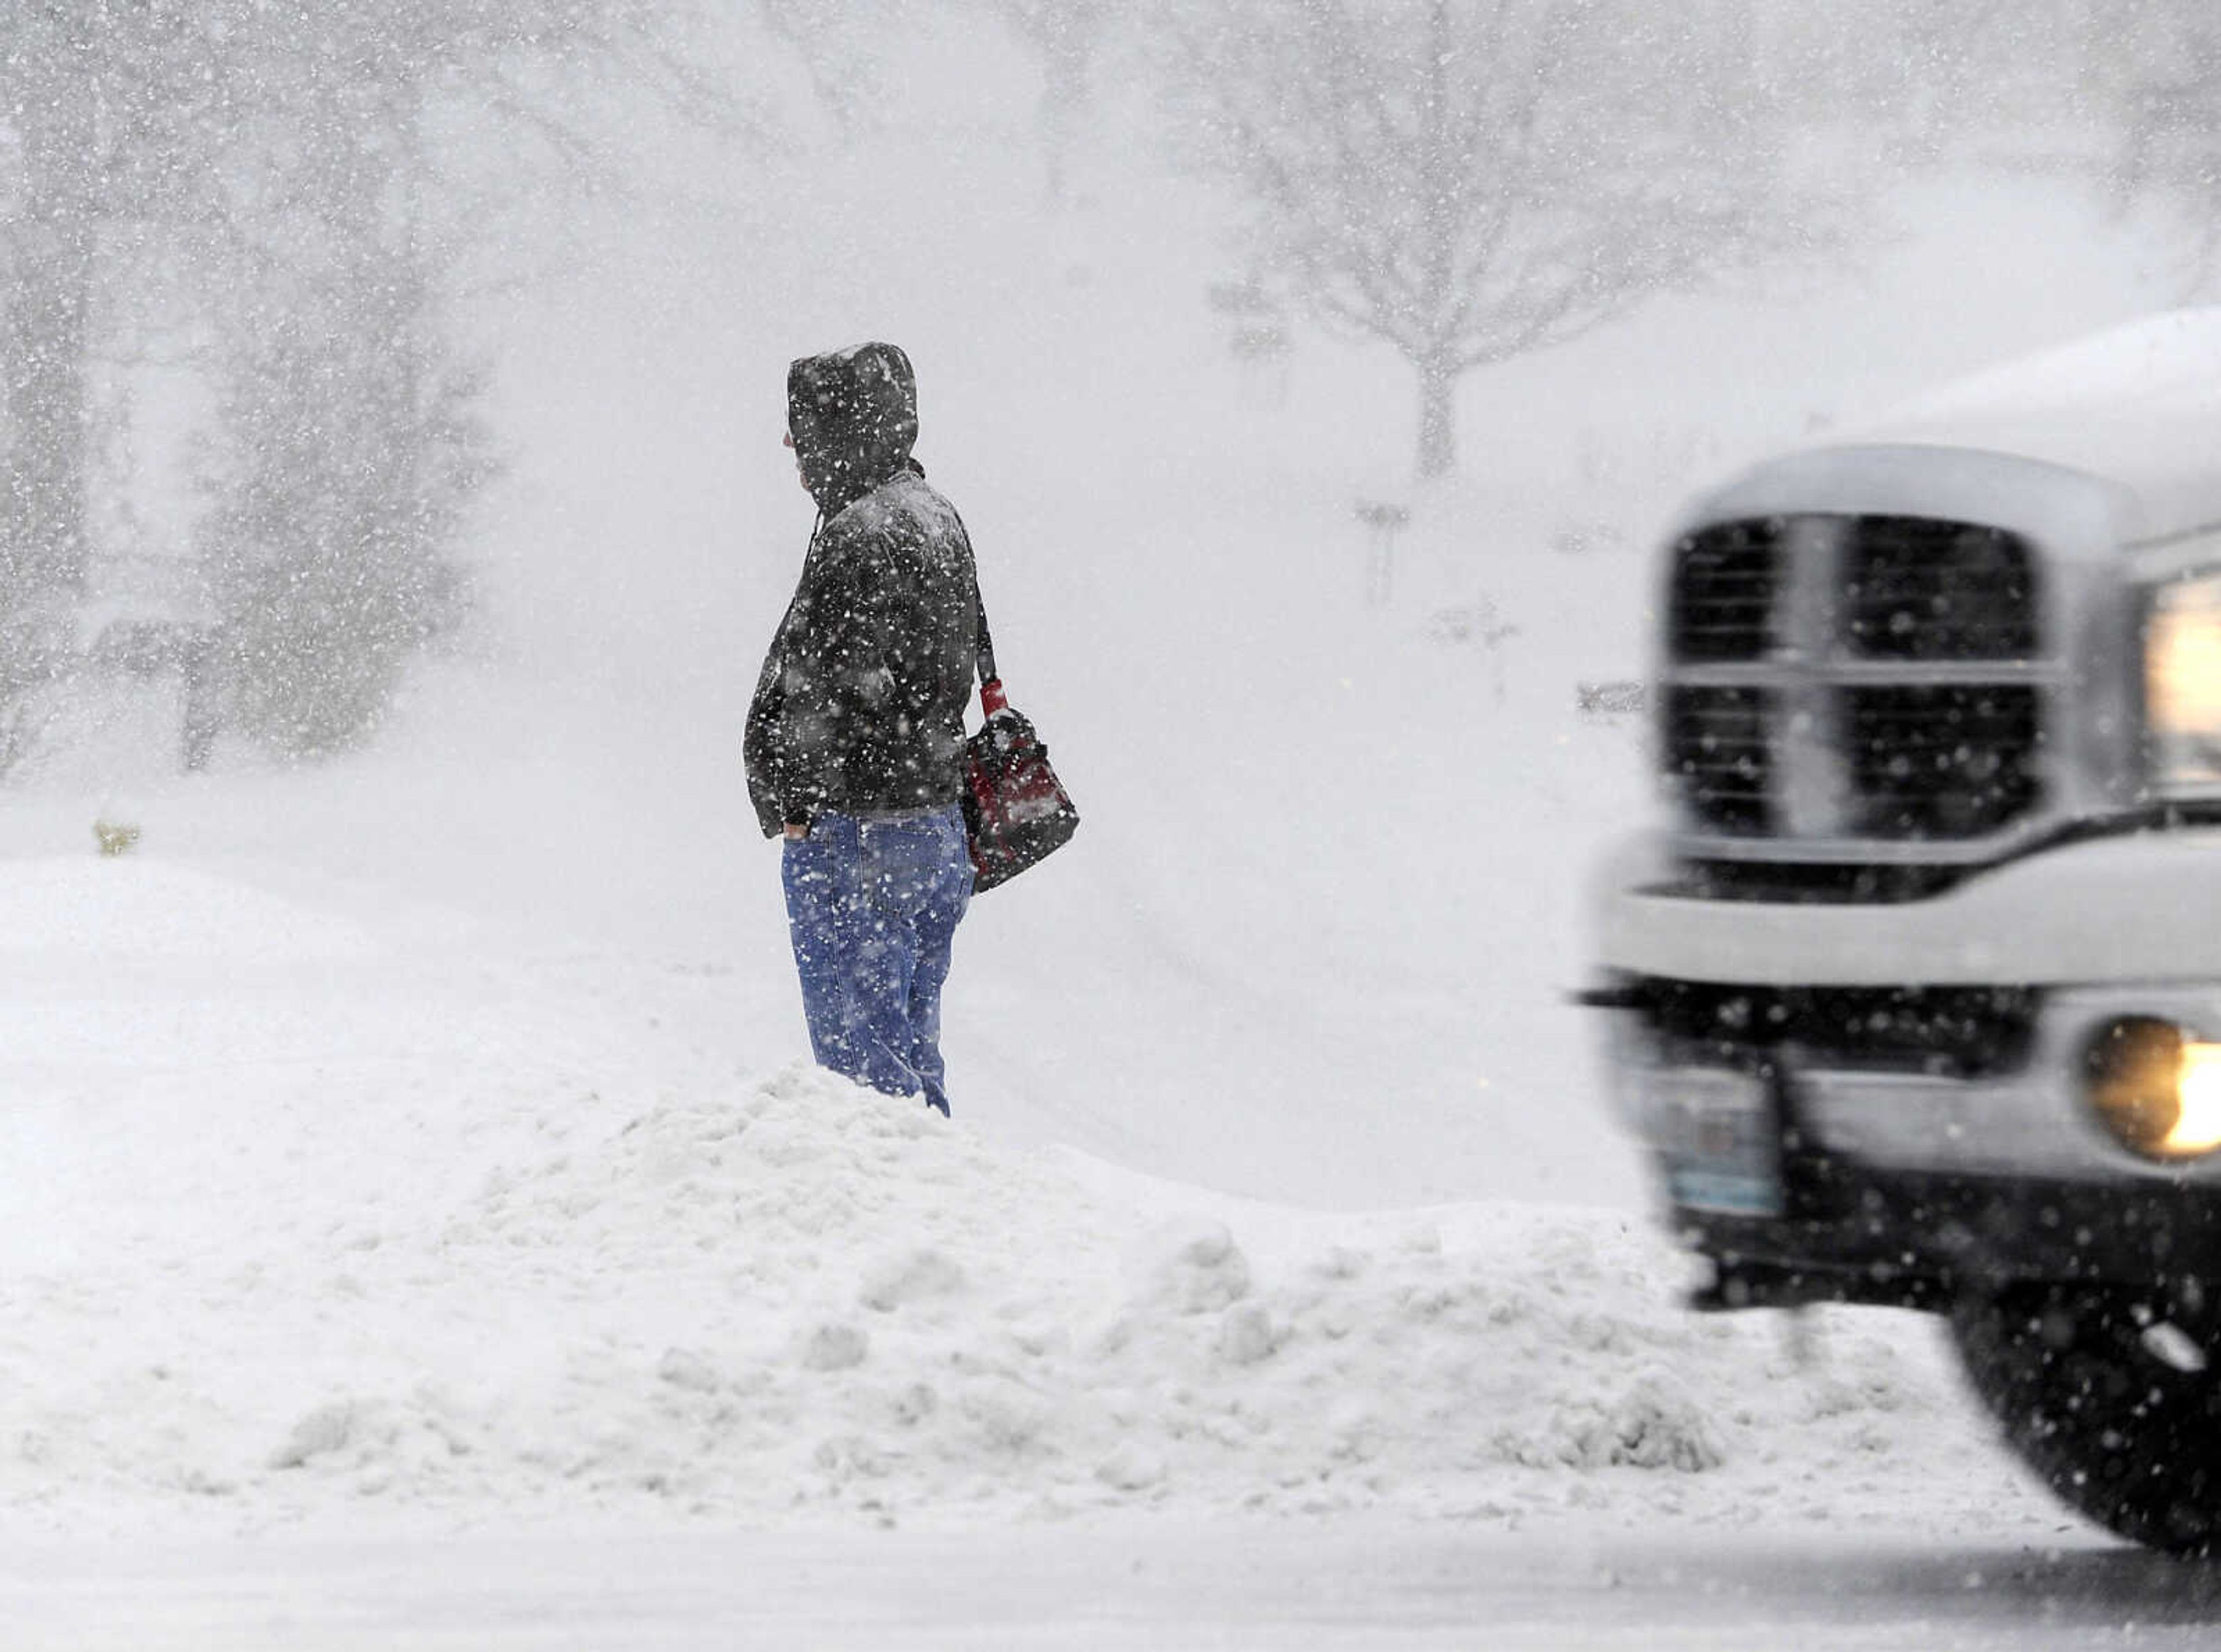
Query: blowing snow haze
(393, 507)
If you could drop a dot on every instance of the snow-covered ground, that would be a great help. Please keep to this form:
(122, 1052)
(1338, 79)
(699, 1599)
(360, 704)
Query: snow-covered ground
(417, 1228)
(329, 1217)
(374, 1276)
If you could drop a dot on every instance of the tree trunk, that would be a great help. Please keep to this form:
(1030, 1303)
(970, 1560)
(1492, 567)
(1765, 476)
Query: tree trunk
(1438, 230)
(44, 385)
(43, 529)
(1437, 418)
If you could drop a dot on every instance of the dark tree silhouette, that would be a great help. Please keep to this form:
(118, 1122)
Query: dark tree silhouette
(272, 163)
(1469, 180)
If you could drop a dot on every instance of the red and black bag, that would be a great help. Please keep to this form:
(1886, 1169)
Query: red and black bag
(1016, 811)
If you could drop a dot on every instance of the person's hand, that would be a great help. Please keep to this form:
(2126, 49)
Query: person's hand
(796, 834)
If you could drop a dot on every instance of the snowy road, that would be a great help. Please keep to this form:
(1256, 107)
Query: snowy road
(1368, 1586)
(391, 1286)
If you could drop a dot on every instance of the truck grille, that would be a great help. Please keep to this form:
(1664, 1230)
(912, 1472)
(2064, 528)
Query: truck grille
(1723, 755)
(1917, 589)
(1848, 679)
(1931, 762)
(1723, 591)
(1962, 1032)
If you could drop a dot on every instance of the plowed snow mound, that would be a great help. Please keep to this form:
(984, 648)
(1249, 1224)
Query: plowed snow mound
(455, 1234)
(489, 1256)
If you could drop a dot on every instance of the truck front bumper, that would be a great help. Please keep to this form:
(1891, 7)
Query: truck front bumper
(1813, 1163)
(2145, 907)
(1805, 1179)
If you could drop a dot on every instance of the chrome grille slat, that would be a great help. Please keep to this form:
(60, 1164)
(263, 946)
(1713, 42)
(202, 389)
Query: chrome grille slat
(1837, 680)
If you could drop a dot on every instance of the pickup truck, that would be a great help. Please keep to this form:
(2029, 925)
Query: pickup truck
(1913, 991)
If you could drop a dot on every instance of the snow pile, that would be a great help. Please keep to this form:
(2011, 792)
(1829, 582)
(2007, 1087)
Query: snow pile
(136, 911)
(461, 1236)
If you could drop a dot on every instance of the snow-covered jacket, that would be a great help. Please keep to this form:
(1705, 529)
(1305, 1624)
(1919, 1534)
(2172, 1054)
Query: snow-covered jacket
(859, 707)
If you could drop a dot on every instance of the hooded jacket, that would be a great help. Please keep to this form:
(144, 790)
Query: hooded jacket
(859, 707)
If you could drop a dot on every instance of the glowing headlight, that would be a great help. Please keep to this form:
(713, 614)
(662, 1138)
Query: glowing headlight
(2182, 683)
(2156, 1088)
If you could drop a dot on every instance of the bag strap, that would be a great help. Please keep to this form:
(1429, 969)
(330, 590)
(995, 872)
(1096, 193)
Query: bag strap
(992, 699)
(984, 649)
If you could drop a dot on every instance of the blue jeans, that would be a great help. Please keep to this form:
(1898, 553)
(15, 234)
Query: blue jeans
(873, 907)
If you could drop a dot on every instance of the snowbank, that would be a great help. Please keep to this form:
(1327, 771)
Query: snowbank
(459, 1237)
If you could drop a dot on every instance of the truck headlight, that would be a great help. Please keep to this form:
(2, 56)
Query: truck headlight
(2182, 683)
(2156, 1087)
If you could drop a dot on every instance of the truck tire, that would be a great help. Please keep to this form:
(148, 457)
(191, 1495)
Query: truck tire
(2105, 1412)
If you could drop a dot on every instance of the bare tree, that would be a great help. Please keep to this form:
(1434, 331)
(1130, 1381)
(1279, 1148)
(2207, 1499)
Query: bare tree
(51, 254)
(110, 117)
(837, 44)
(1913, 78)
(347, 448)
(2150, 72)
(1065, 36)
(1470, 180)
(285, 154)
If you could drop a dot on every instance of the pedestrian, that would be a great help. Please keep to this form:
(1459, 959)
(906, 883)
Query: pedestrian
(855, 744)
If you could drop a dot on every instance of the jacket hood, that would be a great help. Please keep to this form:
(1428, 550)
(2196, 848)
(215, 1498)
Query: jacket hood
(853, 415)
